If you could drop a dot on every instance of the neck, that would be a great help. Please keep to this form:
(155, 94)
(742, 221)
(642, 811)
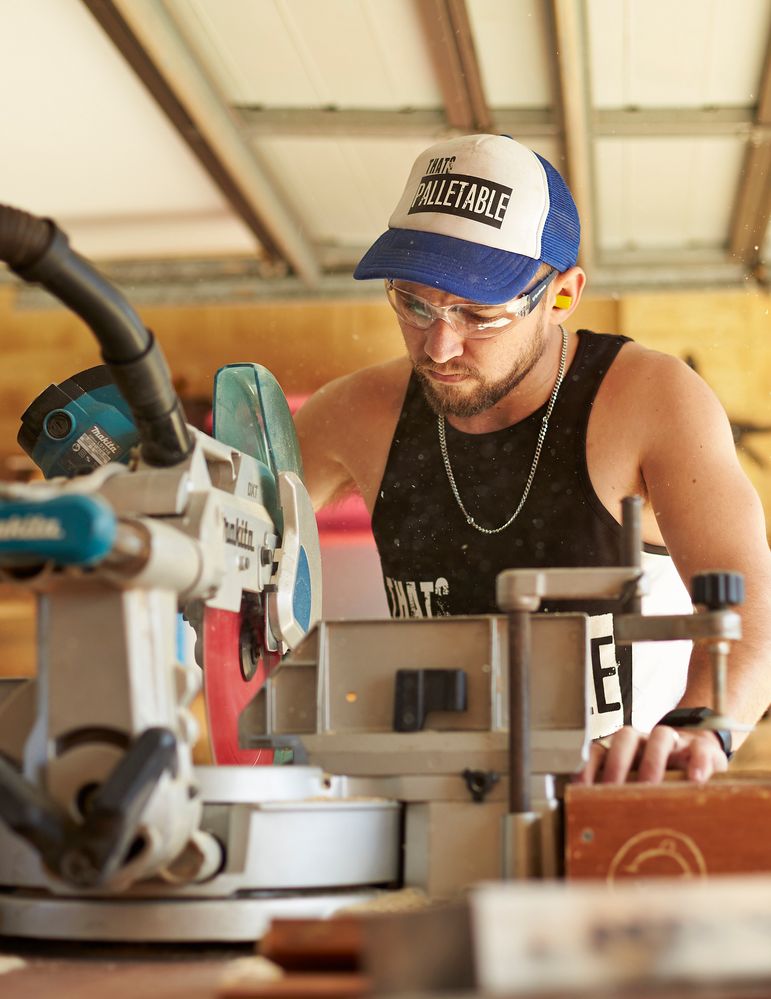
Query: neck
(528, 396)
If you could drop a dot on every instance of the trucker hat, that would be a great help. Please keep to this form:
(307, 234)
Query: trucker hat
(479, 215)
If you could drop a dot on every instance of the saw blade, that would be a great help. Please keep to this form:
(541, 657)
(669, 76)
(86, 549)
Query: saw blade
(236, 665)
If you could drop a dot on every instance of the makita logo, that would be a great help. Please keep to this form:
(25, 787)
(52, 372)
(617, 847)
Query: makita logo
(108, 442)
(238, 532)
(31, 528)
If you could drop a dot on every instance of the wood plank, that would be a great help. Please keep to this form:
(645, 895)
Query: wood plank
(333, 985)
(676, 829)
(314, 943)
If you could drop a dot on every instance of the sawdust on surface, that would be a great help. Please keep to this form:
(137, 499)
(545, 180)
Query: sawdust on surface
(250, 971)
(9, 962)
(403, 900)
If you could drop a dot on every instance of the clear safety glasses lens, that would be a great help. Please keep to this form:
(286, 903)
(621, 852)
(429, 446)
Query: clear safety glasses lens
(466, 319)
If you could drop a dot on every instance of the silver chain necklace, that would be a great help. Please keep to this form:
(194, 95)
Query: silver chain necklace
(539, 445)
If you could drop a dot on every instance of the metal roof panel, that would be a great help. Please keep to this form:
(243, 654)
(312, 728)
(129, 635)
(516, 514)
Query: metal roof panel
(693, 53)
(302, 53)
(85, 143)
(511, 42)
(665, 192)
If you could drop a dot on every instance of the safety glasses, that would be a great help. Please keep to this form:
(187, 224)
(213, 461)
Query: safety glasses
(471, 320)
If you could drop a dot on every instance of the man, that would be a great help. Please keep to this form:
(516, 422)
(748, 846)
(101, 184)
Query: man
(502, 440)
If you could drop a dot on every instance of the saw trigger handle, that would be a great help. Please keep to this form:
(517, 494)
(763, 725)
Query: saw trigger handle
(67, 530)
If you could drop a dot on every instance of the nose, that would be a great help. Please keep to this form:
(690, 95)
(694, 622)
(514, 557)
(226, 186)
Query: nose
(442, 343)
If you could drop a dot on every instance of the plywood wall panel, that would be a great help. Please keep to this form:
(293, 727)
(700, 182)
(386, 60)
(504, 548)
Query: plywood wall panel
(727, 337)
(306, 344)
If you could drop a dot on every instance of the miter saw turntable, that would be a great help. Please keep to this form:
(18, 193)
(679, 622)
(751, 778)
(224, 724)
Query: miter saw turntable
(425, 753)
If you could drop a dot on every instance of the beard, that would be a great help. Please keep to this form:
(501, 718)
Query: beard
(464, 400)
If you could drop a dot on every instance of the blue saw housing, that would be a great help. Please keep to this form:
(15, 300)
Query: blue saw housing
(78, 425)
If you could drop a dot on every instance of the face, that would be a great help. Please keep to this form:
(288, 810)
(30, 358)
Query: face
(464, 377)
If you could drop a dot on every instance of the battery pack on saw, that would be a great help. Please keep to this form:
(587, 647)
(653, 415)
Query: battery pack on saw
(78, 425)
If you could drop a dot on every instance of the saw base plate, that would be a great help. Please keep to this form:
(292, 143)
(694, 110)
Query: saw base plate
(169, 920)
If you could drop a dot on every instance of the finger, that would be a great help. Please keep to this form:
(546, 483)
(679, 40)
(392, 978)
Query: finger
(624, 747)
(662, 743)
(597, 753)
(705, 757)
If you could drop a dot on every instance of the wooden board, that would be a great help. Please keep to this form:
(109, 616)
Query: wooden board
(314, 944)
(674, 829)
(99, 977)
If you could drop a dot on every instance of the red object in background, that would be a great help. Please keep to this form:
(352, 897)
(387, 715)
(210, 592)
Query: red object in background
(226, 690)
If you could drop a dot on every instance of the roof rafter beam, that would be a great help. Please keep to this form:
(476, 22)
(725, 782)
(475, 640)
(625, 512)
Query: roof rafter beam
(568, 25)
(673, 122)
(326, 122)
(149, 40)
(523, 122)
(447, 31)
(170, 282)
(752, 210)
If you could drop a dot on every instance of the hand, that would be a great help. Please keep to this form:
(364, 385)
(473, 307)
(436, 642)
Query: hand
(695, 751)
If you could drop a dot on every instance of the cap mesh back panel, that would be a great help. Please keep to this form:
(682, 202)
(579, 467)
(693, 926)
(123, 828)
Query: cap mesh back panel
(562, 232)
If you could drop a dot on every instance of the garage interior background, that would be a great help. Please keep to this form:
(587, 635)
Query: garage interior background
(226, 162)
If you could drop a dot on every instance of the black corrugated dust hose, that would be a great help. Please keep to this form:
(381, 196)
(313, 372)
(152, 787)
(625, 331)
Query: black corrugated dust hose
(39, 252)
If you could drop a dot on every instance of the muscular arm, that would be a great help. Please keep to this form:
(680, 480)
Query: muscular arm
(345, 432)
(319, 425)
(711, 519)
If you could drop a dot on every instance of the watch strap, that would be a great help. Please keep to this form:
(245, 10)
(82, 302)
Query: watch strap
(692, 718)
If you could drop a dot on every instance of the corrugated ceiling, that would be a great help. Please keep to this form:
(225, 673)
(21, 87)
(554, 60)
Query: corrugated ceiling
(270, 138)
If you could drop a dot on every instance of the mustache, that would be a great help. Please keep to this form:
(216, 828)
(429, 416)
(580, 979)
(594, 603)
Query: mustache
(423, 367)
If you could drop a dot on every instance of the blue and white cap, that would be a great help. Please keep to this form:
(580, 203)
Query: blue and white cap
(479, 215)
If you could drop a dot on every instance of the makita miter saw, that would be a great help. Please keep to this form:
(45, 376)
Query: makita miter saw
(142, 518)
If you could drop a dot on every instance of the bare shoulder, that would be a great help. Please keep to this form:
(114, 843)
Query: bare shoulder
(345, 430)
(356, 404)
(639, 366)
(654, 421)
(659, 393)
(374, 388)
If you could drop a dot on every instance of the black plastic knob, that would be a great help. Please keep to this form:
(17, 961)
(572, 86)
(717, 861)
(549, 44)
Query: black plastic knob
(716, 590)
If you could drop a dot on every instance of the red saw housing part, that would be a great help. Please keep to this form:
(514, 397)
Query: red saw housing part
(230, 682)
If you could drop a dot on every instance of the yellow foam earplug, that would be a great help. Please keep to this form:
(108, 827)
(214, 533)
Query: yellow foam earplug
(563, 301)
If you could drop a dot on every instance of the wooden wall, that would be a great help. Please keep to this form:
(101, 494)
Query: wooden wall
(726, 334)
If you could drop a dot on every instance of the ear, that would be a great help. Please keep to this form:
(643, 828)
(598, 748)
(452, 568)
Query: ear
(568, 288)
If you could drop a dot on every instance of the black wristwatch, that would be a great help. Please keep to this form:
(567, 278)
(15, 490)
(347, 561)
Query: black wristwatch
(691, 717)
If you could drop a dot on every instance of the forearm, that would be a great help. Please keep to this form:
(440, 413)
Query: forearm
(748, 674)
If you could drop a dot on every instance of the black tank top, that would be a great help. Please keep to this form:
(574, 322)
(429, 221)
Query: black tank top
(433, 561)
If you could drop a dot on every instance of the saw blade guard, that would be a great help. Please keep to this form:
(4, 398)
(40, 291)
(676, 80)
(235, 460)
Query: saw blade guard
(251, 414)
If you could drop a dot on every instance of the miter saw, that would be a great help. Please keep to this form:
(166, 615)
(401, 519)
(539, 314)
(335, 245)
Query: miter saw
(142, 518)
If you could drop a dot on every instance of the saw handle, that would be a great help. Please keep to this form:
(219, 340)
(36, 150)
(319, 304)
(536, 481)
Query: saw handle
(67, 530)
(88, 853)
